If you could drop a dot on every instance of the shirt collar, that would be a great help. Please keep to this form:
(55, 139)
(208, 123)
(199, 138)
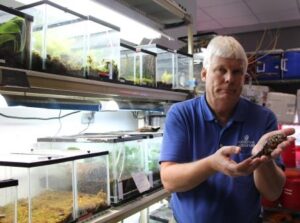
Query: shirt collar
(239, 114)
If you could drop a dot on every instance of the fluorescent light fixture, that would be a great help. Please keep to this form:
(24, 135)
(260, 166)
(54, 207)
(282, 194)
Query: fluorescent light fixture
(3, 103)
(109, 105)
(131, 30)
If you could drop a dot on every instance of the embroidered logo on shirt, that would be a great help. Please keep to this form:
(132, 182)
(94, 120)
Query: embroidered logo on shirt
(245, 142)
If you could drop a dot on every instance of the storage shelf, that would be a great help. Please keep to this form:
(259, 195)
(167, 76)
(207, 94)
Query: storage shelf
(289, 81)
(286, 86)
(119, 213)
(51, 85)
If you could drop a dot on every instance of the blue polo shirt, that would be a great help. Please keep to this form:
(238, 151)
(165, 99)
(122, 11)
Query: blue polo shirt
(192, 132)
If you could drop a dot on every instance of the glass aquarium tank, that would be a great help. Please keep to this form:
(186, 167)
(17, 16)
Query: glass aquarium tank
(15, 36)
(152, 153)
(129, 68)
(103, 50)
(137, 66)
(58, 188)
(165, 65)
(58, 39)
(184, 76)
(8, 201)
(126, 158)
(147, 61)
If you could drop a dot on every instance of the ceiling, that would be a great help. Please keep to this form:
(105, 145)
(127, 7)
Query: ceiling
(231, 16)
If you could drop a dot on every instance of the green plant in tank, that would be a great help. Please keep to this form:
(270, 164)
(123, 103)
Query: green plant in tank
(13, 34)
(133, 162)
(153, 157)
(166, 77)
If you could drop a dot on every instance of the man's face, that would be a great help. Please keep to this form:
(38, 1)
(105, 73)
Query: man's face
(224, 81)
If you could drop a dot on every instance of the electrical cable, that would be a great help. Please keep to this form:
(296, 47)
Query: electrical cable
(88, 124)
(60, 124)
(37, 118)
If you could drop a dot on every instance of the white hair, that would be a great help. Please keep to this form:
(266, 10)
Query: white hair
(227, 47)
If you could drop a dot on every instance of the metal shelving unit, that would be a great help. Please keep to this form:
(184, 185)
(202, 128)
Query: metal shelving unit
(287, 86)
(119, 213)
(64, 87)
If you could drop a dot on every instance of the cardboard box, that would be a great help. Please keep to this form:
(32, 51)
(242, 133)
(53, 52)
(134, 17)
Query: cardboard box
(256, 93)
(283, 105)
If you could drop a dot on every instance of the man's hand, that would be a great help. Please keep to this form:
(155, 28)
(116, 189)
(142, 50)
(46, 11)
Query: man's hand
(221, 161)
(286, 141)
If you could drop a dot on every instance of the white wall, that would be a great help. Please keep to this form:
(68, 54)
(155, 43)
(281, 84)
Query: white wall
(20, 135)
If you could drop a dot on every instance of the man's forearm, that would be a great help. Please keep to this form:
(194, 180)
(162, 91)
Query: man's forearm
(269, 180)
(178, 177)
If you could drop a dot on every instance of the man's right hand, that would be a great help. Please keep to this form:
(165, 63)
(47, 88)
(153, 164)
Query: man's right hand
(221, 161)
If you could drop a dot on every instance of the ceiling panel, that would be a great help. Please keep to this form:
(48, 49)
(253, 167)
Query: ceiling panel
(208, 25)
(277, 16)
(228, 11)
(259, 6)
(202, 16)
(209, 3)
(235, 16)
(238, 21)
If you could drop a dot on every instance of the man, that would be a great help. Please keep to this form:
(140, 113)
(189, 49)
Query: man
(208, 143)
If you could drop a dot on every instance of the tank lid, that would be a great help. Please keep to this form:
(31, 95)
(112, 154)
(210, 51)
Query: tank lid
(274, 51)
(293, 50)
(8, 183)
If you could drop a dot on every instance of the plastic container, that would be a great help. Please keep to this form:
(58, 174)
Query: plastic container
(15, 32)
(297, 162)
(58, 188)
(291, 194)
(291, 64)
(8, 201)
(268, 65)
(289, 156)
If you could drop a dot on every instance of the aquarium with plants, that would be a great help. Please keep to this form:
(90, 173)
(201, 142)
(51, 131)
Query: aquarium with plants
(184, 76)
(126, 158)
(129, 68)
(147, 61)
(15, 31)
(57, 39)
(152, 152)
(165, 65)
(137, 66)
(103, 50)
(8, 201)
(57, 188)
